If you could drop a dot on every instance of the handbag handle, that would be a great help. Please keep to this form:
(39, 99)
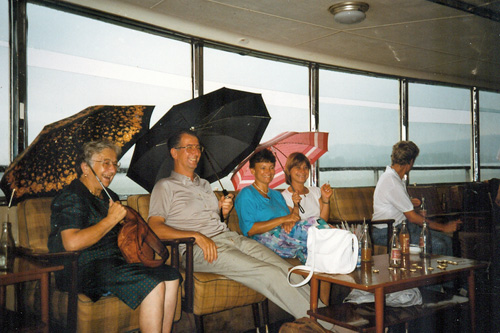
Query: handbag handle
(305, 268)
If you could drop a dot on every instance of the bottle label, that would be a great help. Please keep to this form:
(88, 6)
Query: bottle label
(3, 260)
(396, 254)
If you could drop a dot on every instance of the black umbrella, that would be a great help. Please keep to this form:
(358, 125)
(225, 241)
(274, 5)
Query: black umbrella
(47, 165)
(229, 123)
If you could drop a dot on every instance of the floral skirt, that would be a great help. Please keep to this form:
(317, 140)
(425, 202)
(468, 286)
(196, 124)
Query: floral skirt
(293, 244)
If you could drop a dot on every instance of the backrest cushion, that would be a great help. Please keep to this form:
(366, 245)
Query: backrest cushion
(34, 223)
(349, 204)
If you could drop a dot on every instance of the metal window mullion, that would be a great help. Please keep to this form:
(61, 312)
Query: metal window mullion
(403, 109)
(18, 76)
(476, 175)
(314, 114)
(197, 68)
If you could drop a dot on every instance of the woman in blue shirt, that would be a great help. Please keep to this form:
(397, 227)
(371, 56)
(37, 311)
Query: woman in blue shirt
(264, 215)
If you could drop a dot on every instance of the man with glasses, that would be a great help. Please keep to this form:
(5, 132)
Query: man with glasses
(184, 205)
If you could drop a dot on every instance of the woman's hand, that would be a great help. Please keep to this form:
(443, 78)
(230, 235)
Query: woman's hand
(296, 198)
(290, 221)
(116, 212)
(416, 202)
(326, 192)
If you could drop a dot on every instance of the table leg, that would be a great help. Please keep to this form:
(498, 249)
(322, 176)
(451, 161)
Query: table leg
(379, 309)
(314, 294)
(44, 295)
(472, 299)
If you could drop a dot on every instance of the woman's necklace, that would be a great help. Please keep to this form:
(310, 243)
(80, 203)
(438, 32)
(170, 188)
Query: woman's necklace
(261, 190)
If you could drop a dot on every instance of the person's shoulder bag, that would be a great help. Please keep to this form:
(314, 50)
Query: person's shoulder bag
(333, 251)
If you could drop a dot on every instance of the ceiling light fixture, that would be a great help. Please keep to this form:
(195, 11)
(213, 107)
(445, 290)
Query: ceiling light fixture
(349, 12)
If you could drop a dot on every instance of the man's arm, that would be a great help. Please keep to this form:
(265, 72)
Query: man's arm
(157, 223)
(416, 218)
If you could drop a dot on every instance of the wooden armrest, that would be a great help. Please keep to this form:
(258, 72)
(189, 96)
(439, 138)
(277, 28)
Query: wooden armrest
(48, 256)
(73, 292)
(189, 280)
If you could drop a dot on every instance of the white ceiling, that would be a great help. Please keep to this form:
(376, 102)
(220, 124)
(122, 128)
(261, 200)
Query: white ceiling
(410, 38)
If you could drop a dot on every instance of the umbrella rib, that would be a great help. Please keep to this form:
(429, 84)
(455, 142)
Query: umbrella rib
(209, 123)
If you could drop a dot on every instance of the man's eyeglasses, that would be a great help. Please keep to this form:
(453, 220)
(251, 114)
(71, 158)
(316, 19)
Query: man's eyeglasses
(109, 163)
(192, 148)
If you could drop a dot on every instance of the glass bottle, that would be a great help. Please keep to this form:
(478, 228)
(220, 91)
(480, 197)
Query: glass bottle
(7, 247)
(366, 245)
(423, 208)
(425, 241)
(404, 238)
(395, 254)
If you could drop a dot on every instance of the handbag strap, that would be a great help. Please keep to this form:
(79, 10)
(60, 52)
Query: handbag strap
(304, 268)
(149, 237)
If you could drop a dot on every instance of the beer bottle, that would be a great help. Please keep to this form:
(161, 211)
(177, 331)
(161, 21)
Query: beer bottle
(404, 238)
(366, 245)
(395, 254)
(7, 247)
(425, 241)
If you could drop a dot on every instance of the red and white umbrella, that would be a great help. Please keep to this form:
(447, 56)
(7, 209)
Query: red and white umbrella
(311, 144)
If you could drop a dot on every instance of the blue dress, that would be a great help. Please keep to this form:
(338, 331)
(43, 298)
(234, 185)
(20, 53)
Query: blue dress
(253, 207)
(101, 267)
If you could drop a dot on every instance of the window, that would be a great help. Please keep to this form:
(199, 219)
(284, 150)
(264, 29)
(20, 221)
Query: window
(489, 123)
(361, 114)
(75, 62)
(284, 88)
(4, 85)
(440, 125)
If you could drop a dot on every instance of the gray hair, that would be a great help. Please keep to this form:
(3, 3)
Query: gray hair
(91, 148)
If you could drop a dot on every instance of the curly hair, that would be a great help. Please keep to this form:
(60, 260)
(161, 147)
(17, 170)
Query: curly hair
(295, 160)
(91, 148)
(404, 152)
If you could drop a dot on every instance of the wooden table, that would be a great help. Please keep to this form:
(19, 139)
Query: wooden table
(387, 281)
(29, 270)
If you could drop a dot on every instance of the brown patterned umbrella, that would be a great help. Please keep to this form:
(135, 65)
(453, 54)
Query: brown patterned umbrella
(48, 164)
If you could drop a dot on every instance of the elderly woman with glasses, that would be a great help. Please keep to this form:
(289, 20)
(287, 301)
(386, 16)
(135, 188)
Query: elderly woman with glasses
(84, 219)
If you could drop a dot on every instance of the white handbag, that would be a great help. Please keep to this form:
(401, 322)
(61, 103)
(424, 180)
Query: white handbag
(333, 251)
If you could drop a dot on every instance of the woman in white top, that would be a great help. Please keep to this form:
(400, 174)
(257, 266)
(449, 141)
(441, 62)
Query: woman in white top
(314, 201)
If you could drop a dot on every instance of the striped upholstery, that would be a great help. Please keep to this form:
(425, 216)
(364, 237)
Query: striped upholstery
(109, 314)
(212, 292)
(351, 204)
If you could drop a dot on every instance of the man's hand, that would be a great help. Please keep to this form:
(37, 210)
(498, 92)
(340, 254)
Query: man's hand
(207, 246)
(226, 203)
(452, 226)
(416, 202)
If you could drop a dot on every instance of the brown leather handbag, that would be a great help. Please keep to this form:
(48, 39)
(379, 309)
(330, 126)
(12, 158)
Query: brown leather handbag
(138, 242)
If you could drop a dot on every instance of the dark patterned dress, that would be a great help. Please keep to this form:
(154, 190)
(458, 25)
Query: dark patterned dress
(101, 267)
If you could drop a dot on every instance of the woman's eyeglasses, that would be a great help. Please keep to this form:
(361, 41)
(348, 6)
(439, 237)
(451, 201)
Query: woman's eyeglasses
(109, 163)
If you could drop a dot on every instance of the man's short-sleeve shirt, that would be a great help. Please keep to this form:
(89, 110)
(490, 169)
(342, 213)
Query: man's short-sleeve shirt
(390, 199)
(186, 204)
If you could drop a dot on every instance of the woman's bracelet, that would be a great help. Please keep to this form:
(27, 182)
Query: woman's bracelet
(325, 202)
